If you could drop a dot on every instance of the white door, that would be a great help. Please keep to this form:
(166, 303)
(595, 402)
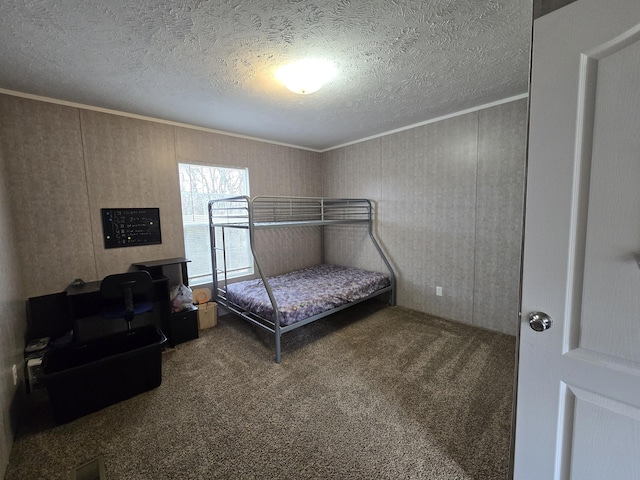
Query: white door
(578, 401)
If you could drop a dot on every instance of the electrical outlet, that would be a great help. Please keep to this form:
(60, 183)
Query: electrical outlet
(14, 369)
(439, 291)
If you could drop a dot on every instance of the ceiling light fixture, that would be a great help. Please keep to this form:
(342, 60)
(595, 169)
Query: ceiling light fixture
(305, 76)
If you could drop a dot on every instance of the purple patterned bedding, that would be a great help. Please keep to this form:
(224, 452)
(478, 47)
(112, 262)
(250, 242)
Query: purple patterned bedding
(306, 292)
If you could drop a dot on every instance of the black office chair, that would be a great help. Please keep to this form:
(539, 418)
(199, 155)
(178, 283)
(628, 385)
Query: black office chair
(126, 295)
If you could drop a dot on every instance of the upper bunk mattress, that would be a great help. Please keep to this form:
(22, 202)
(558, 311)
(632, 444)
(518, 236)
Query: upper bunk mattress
(304, 293)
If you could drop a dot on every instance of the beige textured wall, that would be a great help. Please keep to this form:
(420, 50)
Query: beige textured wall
(356, 172)
(13, 323)
(502, 152)
(131, 163)
(48, 193)
(64, 164)
(449, 202)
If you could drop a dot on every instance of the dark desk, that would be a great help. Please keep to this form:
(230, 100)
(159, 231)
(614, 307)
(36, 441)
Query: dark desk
(78, 308)
(87, 288)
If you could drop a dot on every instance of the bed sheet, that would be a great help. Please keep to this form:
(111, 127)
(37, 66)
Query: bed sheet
(304, 293)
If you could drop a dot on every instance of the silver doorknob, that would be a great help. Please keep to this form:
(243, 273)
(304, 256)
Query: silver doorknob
(540, 321)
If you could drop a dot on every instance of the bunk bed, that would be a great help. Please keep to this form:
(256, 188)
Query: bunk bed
(279, 304)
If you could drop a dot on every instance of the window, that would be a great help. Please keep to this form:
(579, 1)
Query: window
(198, 185)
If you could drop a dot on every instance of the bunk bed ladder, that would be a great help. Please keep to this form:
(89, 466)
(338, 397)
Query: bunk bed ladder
(216, 270)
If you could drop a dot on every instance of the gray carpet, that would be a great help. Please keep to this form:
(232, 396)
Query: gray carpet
(374, 392)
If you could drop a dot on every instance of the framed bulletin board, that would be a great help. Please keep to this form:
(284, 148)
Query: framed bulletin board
(129, 227)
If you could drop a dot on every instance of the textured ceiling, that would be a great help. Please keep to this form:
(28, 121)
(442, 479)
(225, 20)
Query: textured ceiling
(212, 63)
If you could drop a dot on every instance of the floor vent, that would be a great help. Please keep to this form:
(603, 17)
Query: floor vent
(92, 470)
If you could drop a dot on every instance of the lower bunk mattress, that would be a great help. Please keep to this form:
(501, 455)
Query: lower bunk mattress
(305, 293)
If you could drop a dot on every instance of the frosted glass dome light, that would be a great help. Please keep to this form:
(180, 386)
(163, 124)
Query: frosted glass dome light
(305, 76)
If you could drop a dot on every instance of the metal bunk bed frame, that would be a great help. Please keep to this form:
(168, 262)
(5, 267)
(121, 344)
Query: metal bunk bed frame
(243, 212)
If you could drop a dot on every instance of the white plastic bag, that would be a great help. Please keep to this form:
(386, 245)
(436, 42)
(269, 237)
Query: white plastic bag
(181, 298)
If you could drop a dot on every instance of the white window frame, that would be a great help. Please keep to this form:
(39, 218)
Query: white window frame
(199, 184)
